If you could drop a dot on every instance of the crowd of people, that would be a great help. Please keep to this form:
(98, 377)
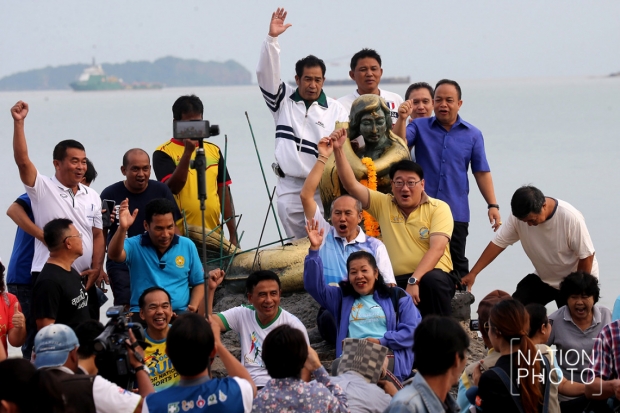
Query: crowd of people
(385, 303)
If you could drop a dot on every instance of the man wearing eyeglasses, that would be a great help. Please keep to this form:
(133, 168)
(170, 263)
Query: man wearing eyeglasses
(59, 295)
(416, 230)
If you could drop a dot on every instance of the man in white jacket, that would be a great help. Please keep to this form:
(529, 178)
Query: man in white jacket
(302, 117)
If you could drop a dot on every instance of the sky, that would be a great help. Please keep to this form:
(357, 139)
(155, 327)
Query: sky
(423, 39)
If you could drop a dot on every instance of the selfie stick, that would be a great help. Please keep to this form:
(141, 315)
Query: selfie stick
(200, 165)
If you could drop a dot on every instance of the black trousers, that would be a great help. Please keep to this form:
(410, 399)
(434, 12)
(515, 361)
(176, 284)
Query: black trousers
(532, 289)
(436, 291)
(457, 248)
(326, 324)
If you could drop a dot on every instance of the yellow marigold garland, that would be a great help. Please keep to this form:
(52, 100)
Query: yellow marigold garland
(371, 226)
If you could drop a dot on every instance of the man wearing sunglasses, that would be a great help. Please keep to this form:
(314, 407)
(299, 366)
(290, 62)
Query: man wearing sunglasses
(416, 230)
(58, 295)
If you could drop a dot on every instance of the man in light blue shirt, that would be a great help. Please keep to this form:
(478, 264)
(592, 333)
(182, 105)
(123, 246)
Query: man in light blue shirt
(158, 257)
(446, 146)
(440, 350)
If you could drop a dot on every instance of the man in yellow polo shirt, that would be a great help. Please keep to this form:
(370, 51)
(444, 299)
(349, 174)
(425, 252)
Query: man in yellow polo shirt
(171, 164)
(416, 230)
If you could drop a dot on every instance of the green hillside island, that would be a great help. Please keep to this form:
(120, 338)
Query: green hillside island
(167, 71)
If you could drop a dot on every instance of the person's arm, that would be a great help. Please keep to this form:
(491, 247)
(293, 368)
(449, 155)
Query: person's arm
(571, 388)
(116, 248)
(313, 179)
(27, 170)
(601, 389)
(314, 365)
(229, 212)
(17, 333)
(428, 262)
(17, 213)
(2, 353)
(585, 264)
(268, 69)
(400, 127)
(488, 255)
(197, 295)
(177, 180)
(314, 279)
(234, 368)
(408, 319)
(485, 184)
(345, 172)
(96, 272)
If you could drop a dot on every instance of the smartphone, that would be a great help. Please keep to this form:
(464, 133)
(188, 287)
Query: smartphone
(107, 205)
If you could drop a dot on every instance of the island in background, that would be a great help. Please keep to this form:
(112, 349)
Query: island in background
(170, 71)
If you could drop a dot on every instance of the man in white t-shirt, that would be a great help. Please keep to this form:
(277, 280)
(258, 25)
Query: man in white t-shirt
(555, 238)
(55, 349)
(366, 71)
(61, 196)
(253, 322)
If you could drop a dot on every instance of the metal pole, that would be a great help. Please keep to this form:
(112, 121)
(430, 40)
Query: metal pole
(260, 163)
(224, 190)
(264, 224)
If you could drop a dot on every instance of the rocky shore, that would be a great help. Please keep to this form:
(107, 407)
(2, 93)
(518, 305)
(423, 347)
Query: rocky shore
(305, 308)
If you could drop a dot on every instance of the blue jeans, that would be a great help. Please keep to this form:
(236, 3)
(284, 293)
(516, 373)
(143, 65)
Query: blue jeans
(23, 292)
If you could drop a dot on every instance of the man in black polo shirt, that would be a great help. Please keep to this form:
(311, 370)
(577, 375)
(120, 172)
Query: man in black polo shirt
(58, 295)
(139, 189)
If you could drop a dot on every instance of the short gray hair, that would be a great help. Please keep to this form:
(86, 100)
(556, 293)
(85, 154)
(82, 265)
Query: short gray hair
(358, 203)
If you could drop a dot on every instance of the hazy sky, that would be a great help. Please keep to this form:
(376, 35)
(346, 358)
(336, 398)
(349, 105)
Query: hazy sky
(423, 39)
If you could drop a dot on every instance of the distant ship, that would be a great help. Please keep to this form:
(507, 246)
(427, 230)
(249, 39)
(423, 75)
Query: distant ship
(396, 80)
(94, 78)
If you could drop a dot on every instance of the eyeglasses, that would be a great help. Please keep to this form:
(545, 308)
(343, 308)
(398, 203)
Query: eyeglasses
(79, 235)
(486, 326)
(410, 184)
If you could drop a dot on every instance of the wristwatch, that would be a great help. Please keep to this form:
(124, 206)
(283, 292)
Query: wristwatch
(493, 206)
(412, 281)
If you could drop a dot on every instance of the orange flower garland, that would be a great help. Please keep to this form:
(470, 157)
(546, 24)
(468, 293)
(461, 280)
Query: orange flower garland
(371, 226)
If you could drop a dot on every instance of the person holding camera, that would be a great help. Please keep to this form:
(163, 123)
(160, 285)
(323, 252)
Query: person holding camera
(55, 349)
(139, 189)
(158, 257)
(171, 162)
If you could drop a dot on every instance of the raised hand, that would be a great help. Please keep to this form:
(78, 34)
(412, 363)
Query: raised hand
(312, 361)
(215, 278)
(19, 320)
(314, 234)
(126, 219)
(19, 111)
(325, 147)
(405, 109)
(338, 138)
(277, 26)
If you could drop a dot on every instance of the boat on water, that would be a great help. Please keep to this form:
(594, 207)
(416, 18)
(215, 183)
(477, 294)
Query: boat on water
(93, 78)
(395, 80)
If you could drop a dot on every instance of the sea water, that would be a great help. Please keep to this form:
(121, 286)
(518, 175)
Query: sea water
(560, 135)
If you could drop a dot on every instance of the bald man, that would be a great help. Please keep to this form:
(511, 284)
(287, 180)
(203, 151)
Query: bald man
(139, 189)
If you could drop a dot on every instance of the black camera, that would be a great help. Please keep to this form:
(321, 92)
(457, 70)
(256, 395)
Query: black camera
(474, 325)
(111, 351)
(194, 129)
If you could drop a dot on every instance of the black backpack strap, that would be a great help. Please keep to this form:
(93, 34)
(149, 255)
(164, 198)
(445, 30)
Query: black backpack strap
(396, 293)
(508, 383)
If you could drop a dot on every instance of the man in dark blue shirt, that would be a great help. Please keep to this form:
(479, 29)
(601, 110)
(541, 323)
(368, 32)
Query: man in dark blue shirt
(445, 146)
(139, 190)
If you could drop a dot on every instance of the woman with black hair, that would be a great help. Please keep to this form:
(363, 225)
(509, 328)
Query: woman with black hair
(575, 327)
(364, 306)
(12, 321)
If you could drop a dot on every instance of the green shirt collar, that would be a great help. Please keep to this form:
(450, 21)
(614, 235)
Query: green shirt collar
(322, 100)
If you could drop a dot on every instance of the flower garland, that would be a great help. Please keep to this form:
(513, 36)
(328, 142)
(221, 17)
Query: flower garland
(371, 226)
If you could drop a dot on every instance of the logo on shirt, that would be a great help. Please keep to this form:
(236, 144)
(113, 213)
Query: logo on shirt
(187, 405)
(320, 124)
(200, 403)
(222, 396)
(397, 219)
(173, 407)
(424, 233)
(212, 400)
(390, 105)
(256, 349)
(180, 261)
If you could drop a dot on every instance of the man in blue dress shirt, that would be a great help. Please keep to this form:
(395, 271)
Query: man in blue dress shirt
(445, 146)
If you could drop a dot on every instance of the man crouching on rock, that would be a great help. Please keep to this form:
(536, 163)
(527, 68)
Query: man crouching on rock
(254, 321)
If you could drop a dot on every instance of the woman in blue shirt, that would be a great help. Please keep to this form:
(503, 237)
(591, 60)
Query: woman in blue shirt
(362, 305)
